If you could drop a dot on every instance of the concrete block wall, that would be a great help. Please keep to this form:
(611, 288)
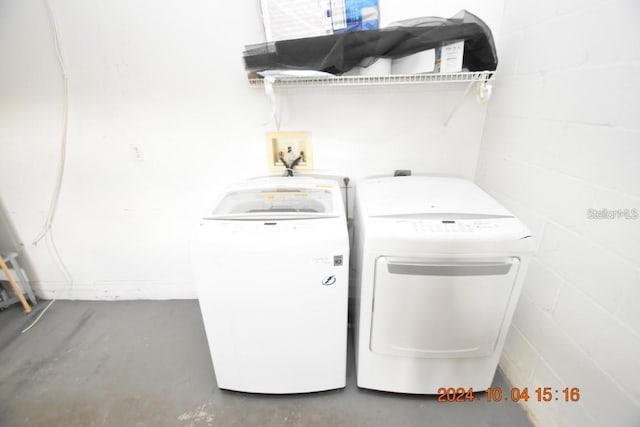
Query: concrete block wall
(562, 137)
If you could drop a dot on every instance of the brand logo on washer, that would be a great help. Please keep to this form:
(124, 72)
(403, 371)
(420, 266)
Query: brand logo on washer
(329, 280)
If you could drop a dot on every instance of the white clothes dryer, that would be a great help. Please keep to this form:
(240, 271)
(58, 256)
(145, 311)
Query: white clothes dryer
(437, 266)
(271, 267)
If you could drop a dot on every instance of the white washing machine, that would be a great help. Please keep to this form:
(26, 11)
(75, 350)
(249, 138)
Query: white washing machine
(437, 266)
(271, 267)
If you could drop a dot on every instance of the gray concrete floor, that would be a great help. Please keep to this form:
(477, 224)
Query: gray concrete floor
(146, 363)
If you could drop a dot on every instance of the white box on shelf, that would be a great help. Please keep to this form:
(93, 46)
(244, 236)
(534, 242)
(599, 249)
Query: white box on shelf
(450, 56)
(445, 59)
(421, 62)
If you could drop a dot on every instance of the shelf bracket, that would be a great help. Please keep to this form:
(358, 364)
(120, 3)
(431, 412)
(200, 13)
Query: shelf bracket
(478, 78)
(269, 90)
(483, 93)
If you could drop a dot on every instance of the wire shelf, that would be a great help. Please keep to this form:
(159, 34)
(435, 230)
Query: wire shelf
(475, 76)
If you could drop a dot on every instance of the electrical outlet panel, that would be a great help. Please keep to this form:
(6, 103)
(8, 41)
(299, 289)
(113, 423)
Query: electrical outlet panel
(289, 146)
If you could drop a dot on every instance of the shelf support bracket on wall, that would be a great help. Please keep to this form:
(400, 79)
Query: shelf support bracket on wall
(483, 93)
(478, 78)
(269, 90)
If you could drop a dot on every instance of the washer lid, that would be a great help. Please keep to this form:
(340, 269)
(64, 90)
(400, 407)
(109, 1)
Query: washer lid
(277, 202)
(426, 196)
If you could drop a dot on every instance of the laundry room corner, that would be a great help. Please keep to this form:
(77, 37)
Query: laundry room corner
(160, 118)
(560, 149)
(319, 213)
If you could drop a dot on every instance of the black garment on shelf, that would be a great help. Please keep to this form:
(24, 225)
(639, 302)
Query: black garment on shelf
(339, 53)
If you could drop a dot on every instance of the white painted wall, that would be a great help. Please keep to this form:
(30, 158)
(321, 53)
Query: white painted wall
(167, 79)
(562, 136)
(490, 11)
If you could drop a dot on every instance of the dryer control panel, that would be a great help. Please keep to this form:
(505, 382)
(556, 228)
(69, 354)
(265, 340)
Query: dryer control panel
(450, 226)
(455, 229)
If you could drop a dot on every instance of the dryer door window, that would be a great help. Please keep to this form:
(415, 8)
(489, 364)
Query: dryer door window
(440, 308)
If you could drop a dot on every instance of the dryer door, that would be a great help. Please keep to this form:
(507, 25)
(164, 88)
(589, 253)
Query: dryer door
(440, 308)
